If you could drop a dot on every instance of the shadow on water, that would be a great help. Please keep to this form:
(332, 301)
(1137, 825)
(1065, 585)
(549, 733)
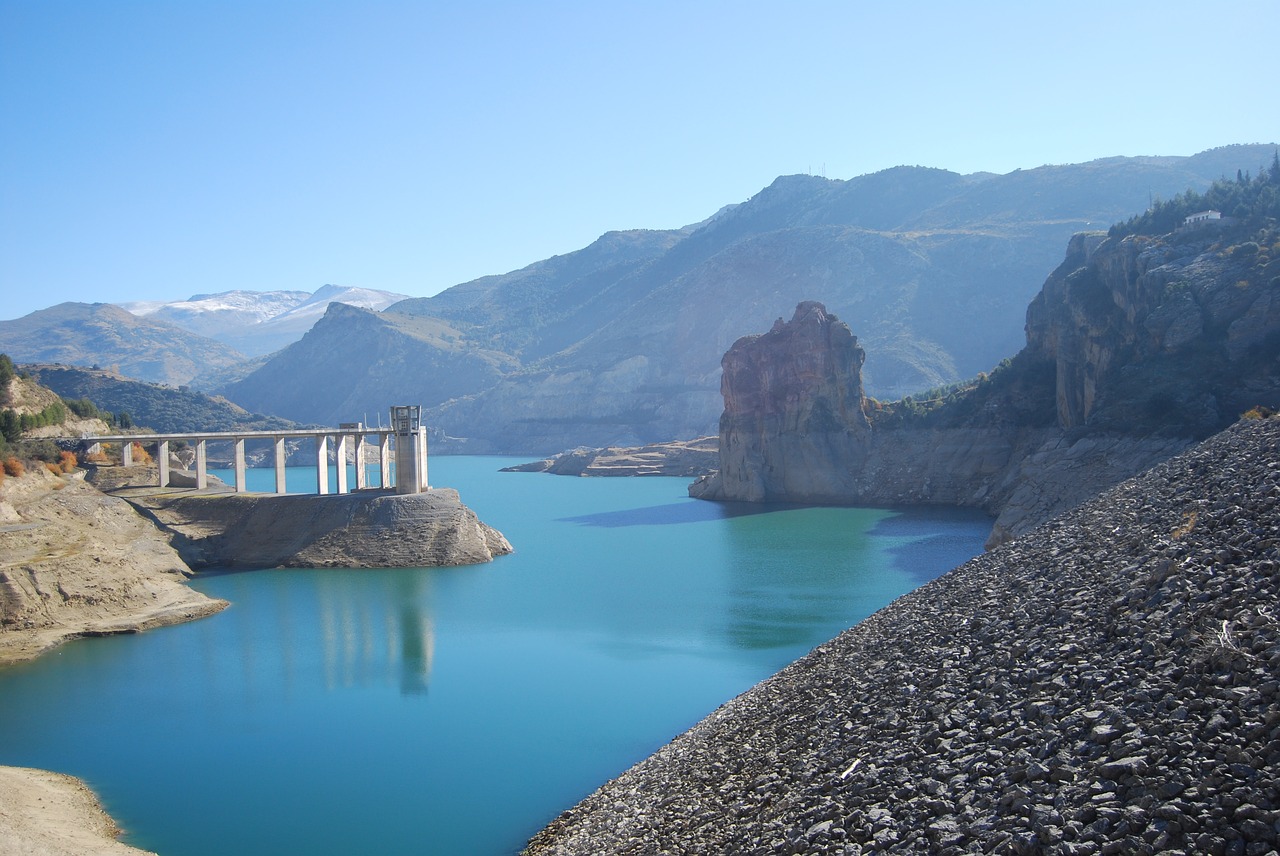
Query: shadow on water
(678, 512)
(937, 539)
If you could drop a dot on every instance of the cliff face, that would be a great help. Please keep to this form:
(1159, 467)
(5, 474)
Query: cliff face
(1179, 331)
(793, 404)
(1135, 349)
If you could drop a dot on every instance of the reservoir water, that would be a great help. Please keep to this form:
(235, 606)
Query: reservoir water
(457, 710)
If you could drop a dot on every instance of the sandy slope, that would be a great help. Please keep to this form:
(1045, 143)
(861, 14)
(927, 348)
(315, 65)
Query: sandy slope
(49, 814)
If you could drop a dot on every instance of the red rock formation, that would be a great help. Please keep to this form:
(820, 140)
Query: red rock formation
(793, 426)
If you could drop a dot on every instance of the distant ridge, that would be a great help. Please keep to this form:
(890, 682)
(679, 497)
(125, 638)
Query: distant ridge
(88, 334)
(619, 343)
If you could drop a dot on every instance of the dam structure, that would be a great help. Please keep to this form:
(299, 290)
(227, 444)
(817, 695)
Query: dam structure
(406, 430)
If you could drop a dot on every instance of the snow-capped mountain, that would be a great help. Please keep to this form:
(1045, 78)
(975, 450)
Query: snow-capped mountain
(258, 322)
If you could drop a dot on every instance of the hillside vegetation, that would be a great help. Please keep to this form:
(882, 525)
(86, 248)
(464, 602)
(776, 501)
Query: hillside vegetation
(154, 406)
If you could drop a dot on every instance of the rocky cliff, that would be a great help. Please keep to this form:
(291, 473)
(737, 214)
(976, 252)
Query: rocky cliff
(1106, 684)
(1136, 347)
(355, 530)
(74, 562)
(793, 406)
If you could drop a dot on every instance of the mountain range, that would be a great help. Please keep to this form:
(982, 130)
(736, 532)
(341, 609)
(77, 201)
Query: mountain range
(619, 343)
(258, 322)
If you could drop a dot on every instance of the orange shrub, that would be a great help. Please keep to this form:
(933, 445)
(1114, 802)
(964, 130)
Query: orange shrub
(67, 461)
(13, 467)
(53, 468)
(140, 454)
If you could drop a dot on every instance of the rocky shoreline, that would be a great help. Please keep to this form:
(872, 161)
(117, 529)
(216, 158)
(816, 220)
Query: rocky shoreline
(679, 458)
(1105, 684)
(366, 529)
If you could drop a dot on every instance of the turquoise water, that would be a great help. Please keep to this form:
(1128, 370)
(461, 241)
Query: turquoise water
(457, 710)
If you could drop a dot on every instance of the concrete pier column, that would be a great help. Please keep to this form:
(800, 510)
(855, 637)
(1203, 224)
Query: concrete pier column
(422, 459)
(239, 465)
(340, 453)
(162, 461)
(202, 465)
(322, 464)
(411, 461)
(384, 460)
(280, 481)
(362, 477)
(126, 453)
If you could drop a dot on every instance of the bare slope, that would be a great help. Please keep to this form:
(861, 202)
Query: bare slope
(1104, 684)
(50, 814)
(75, 562)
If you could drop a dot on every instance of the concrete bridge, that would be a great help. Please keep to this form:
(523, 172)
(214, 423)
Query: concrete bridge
(410, 458)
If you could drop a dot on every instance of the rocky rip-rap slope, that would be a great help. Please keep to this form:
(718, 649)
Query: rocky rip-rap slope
(1109, 683)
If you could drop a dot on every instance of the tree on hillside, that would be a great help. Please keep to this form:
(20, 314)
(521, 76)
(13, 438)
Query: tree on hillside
(7, 372)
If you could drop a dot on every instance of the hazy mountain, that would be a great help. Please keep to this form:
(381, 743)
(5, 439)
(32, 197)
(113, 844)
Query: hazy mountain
(258, 322)
(353, 364)
(87, 334)
(621, 342)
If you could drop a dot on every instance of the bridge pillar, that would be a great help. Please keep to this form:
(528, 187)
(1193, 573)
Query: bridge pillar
(362, 477)
(340, 453)
(202, 465)
(384, 461)
(280, 481)
(162, 461)
(126, 453)
(239, 465)
(322, 464)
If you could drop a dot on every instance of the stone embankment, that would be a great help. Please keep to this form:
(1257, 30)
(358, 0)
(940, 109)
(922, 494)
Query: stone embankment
(1108, 683)
(367, 529)
(74, 562)
(679, 458)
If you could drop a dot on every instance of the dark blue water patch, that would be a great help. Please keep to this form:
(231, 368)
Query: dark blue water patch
(936, 538)
(679, 512)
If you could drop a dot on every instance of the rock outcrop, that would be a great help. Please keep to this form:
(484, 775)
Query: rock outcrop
(793, 407)
(75, 562)
(1106, 684)
(1135, 349)
(354, 530)
(679, 458)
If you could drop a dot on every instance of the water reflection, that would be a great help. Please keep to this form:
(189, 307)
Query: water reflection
(791, 569)
(678, 512)
(366, 625)
(930, 538)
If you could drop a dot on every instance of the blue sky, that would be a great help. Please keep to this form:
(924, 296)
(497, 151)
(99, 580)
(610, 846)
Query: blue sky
(154, 150)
